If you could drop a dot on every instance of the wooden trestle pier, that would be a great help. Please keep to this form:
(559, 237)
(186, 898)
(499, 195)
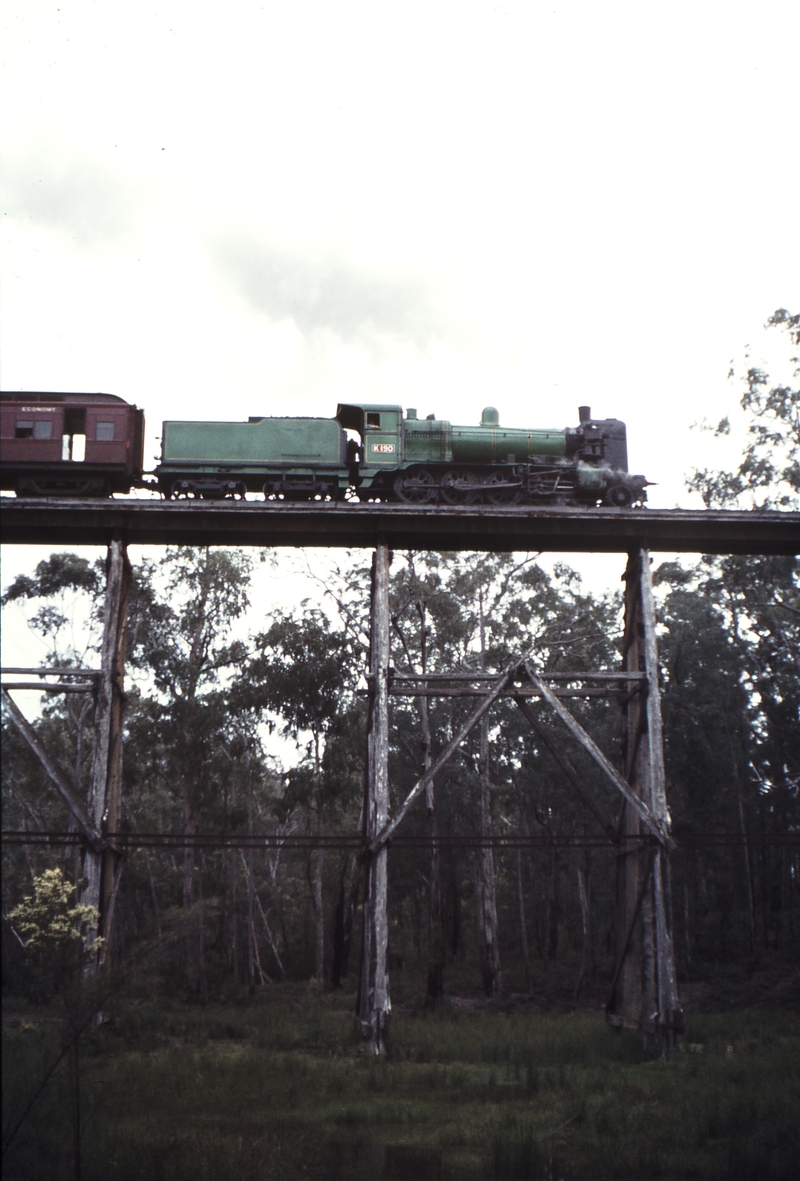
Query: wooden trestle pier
(644, 993)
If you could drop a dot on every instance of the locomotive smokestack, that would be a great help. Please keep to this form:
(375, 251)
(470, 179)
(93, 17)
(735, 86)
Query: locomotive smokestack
(584, 414)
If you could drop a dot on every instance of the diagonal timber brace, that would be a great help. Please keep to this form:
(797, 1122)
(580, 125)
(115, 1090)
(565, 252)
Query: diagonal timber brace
(54, 773)
(486, 703)
(655, 826)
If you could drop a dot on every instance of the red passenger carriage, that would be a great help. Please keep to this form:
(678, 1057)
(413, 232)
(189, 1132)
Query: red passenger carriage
(69, 444)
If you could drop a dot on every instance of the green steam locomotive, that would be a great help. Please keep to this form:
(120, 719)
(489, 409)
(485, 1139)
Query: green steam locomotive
(371, 451)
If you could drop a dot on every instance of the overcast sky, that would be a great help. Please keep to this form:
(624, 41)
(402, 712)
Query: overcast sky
(256, 208)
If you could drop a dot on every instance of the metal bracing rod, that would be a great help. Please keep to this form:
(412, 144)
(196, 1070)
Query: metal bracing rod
(653, 825)
(138, 840)
(386, 832)
(571, 775)
(405, 690)
(548, 676)
(64, 789)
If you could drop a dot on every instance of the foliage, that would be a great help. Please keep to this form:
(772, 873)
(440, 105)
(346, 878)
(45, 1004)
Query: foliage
(58, 933)
(768, 473)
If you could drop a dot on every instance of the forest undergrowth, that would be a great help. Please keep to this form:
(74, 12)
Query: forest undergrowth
(281, 1087)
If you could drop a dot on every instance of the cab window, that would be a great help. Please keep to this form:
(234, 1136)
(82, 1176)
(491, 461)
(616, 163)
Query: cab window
(373, 421)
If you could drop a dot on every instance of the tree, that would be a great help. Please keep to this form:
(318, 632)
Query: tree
(732, 632)
(302, 671)
(189, 655)
(60, 934)
(768, 473)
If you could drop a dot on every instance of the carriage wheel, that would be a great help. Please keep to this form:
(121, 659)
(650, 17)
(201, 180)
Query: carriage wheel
(415, 487)
(504, 494)
(460, 487)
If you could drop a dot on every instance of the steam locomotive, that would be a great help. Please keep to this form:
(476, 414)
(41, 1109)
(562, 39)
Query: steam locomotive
(92, 445)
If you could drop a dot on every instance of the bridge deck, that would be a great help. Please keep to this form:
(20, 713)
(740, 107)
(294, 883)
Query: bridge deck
(482, 527)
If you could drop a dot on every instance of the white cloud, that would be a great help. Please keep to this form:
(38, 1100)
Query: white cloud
(325, 292)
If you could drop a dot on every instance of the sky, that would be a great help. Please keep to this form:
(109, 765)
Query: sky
(216, 211)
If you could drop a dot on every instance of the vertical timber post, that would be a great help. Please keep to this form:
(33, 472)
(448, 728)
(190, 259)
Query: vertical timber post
(374, 1002)
(644, 995)
(101, 870)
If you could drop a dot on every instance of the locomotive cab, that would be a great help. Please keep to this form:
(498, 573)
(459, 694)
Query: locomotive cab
(376, 426)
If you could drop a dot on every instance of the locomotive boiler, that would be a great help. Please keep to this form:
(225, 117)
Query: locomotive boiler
(374, 451)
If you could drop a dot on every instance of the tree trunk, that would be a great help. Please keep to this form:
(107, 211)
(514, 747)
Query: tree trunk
(554, 909)
(523, 925)
(586, 930)
(251, 906)
(486, 892)
(319, 866)
(191, 937)
(344, 912)
(436, 952)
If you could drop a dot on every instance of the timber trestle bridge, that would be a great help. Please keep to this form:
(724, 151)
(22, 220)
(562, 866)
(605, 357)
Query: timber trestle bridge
(643, 992)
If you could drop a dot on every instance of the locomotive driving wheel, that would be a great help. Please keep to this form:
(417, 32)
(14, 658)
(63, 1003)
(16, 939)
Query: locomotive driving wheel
(460, 487)
(417, 487)
(619, 495)
(500, 491)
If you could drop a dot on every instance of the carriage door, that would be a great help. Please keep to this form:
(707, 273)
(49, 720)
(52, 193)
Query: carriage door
(73, 440)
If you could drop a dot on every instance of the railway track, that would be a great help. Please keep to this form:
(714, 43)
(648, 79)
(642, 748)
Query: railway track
(140, 521)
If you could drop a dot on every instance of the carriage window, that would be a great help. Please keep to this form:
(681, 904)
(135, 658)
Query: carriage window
(105, 432)
(373, 422)
(43, 429)
(24, 430)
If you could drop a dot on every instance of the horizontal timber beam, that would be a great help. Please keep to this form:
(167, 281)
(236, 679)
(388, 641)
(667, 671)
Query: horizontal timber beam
(140, 521)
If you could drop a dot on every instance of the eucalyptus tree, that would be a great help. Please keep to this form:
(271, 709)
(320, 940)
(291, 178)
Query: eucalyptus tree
(188, 650)
(732, 625)
(475, 613)
(303, 671)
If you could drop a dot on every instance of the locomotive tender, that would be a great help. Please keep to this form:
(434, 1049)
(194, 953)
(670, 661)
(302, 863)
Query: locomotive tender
(91, 444)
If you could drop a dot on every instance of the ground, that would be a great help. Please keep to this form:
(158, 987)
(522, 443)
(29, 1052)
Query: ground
(280, 1086)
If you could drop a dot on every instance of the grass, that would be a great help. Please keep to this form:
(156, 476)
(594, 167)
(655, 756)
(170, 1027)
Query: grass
(282, 1088)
